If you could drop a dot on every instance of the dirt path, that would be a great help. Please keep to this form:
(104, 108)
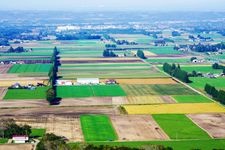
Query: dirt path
(23, 103)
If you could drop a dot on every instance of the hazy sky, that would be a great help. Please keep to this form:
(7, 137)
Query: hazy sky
(151, 5)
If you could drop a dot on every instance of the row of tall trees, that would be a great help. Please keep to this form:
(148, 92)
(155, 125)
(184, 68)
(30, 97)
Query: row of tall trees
(176, 72)
(51, 95)
(218, 95)
(16, 50)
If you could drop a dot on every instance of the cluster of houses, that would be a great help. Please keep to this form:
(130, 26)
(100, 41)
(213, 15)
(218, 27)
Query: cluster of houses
(85, 81)
(11, 62)
(211, 75)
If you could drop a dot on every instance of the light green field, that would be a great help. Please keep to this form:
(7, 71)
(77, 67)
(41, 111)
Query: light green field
(164, 50)
(200, 82)
(161, 61)
(180, 127)
(37, 132)
(26, 94)
(202, 69)
(89, 91)
(191, 99)
(167, 89)
(97, 128)
(30, 68)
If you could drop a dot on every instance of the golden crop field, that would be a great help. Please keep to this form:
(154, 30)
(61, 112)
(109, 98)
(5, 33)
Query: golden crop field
(188, 108)
(147, 81)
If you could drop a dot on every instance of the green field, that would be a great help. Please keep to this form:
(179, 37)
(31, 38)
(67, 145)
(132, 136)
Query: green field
(26, 94)
(97, 128)
(208, 144)
(192, 99)
(202, 69)
(164, 50)
(163, 89)
(37, 132)
(89, 91)
(30, 68)
(161, 61)
(180, 127)
(199, 82)
(3, 141)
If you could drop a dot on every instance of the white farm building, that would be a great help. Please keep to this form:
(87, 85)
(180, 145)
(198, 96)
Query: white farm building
(88, 81)
(20, 139)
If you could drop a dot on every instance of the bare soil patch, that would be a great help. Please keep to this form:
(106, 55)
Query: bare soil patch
(67, 126)
(137, 128)
(4, 68)
(214, 124)
(16, 147)
(2, 93)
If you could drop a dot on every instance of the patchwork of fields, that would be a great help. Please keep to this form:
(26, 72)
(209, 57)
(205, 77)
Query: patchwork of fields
(155, 108)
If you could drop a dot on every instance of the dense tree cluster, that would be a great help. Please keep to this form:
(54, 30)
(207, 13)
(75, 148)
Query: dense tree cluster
(4, 42)
(141, 54)
(109, 53)
(16, 50)
(10, 128)
(110, 46)
(176, 33)
(218, 66)
(78, 36)
(206, 47)
(218, 95)
(176, 72)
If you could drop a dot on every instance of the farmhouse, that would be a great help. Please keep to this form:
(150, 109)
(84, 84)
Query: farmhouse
(20, 139)
(88, 81)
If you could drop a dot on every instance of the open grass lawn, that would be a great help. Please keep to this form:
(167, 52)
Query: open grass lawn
(30, 68)
(164, 50)
(180, 127)
(89, 91)
(23, 94)
(208, 144)
(37, 132)
(191, 99)
(162, 89)
(3, 141)
(97, 128)
(199, 82)
(202, 69)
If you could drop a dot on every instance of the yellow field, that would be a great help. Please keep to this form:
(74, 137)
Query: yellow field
(147, 53)
(7, 83)
(175, 108)
(147, 81)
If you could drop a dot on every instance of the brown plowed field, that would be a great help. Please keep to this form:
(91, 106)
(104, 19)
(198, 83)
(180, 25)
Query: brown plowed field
(214, 124)
(2, 93)
(137, 128)
(4, 68)
(147, 81)
(16, 147)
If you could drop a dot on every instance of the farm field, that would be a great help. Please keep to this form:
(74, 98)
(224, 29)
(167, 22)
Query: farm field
(97, 128)
(146, 81)
(207, 144)
(4, 68)
(67, 126)
(171, 60)
(37, 132)
(164, 50)
(214, 124)
(139, 38)
(187, 108)
(192, 99)
(199, 82)
(157, 89)
(3, 141)
(202, 69)
(137, 128)
(30, 68)
(180, 127)
(2, 92)
(89, 91)
(17, 94)
(149, 99)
